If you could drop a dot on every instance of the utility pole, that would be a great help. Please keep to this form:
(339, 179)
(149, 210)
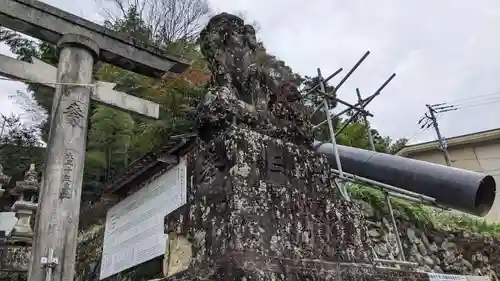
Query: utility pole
(442, 142)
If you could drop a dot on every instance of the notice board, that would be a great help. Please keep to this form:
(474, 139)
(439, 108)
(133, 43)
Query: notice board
(134, 227)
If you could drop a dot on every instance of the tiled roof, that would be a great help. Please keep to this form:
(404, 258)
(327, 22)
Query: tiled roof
(144, 167)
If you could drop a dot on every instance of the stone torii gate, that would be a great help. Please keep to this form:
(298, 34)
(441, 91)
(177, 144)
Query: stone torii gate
(80, 44)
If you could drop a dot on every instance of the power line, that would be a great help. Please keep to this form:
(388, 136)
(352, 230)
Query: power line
(445, 107)
(495, 94)
(485, 102)
(422, 128)
(420, 131)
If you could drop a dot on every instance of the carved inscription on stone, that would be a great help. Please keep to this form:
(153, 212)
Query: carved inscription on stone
(275, 164)
(73, 114)
(15, 258)
(67, 180)
(210, 166)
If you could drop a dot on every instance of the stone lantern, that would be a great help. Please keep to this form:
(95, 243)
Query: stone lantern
(4, 179)
(25, 206)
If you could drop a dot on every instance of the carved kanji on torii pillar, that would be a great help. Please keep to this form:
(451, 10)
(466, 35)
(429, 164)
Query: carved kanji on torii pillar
(80, 45)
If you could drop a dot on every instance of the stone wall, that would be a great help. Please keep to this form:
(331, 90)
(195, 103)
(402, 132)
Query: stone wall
(436, 249)
(89, 256)
(440, 243)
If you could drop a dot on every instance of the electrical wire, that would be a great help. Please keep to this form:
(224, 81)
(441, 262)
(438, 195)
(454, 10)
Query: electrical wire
(416, 134)
(485, 102)
(460, 100)
(468, 102)
(426, 127)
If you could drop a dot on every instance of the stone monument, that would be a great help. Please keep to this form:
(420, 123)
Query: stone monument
(25, 205)
(261, 203)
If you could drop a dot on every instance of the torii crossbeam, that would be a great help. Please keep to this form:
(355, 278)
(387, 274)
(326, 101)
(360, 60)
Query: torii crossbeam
(45, 74)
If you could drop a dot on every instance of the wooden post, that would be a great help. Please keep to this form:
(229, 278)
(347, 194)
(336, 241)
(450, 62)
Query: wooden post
(59, 203)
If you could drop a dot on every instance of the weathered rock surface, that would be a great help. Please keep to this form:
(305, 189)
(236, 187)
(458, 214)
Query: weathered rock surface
(453, 252)
(245, 93)
(256, 196)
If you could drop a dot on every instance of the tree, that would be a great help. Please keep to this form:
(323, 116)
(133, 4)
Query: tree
(31, 109)
(166, 21)
(396, 146)
(19, 147)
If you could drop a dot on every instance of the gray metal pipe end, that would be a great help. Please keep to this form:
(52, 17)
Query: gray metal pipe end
(458, 189)
(485, 196)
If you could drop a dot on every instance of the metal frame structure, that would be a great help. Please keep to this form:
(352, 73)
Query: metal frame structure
(359, 108)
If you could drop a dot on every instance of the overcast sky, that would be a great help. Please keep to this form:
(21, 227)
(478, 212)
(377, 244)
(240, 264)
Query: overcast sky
(441, 51)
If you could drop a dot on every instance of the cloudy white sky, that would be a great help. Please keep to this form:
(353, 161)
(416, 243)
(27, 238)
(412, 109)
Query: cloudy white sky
(441, 51)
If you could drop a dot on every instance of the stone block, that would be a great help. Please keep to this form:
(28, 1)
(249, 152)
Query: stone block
(257, 199)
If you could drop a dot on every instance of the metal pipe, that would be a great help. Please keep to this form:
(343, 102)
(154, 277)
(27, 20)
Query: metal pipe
(365, 103)
(330, 125)
(362, 110)
(367, 124)
(359, 104)
(454, 188)
(310, 91)
(415, 200)
(407, 263)
(355, 178)
(332, 137)
(395, 228)
(352, 70)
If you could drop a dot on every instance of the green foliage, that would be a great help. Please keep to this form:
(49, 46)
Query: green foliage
(110, 137)
(355, 135)
(397, 145)
(19, 45)
(19, 147)
(132, 25)
(425, 215)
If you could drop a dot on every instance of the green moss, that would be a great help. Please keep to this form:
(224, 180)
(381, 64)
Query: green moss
(426, 215)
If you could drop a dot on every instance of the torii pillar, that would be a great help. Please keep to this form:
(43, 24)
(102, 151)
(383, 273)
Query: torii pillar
(59, 203)
(80, 44)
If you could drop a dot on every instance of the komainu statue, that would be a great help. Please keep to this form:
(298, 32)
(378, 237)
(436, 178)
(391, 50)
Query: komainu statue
(245, 90)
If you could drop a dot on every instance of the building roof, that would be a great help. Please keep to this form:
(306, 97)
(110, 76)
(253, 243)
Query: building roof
(136, 175)
(452, 142)
(148, 165)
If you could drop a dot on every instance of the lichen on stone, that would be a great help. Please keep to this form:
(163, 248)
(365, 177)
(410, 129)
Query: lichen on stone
(242, 91)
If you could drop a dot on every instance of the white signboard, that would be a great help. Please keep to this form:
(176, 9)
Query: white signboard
(446, 277)
(7, 222)
(134, 227)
